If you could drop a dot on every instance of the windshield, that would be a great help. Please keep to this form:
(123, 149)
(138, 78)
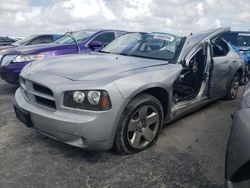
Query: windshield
(78, 36)
(160, 46)
(23, 41)
(238, 39)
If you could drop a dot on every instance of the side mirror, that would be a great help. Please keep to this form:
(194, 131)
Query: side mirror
(95, 44)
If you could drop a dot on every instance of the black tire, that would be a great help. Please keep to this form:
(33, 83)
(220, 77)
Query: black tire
(244, 79)
(136, 107)
(234, 85)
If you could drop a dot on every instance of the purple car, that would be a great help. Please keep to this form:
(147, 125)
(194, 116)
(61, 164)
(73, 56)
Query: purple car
(13, 60)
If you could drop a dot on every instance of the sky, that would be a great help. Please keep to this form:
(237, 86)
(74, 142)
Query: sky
(21, 18)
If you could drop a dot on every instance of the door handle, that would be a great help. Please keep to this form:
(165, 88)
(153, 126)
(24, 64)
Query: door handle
(234, 61)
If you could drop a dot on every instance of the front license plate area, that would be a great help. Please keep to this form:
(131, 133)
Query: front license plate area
(23, 116)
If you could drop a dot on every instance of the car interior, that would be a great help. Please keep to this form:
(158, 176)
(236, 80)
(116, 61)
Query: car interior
(155, 48)
(189, 82)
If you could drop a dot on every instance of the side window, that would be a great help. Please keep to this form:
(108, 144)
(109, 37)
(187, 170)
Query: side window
(220, 47)
(105, 38)
(41, 40)
(198, 62)
(231, 38)
(55, 37)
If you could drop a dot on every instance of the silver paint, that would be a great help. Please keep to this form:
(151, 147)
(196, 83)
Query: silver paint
(123, 77)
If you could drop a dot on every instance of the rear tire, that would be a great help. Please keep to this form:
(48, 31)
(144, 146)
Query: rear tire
(233, 87)
(244, 78)
(139, 125)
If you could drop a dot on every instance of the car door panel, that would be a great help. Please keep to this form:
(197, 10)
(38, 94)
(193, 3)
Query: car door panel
(222, 69)
(219, 75)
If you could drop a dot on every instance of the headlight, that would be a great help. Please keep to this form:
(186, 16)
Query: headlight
(28, 58)
(97, 100)
(78, 97)
(7, 59)
(94, 97)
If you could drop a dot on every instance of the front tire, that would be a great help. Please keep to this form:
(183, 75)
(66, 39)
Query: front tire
(139, 125)
(233, 87)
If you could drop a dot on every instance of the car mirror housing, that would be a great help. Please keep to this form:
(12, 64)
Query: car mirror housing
(95, 44)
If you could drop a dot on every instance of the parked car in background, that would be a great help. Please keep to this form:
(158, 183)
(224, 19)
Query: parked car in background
(240, 41)
(13, 60)
(6, 41)
(32, 40)
(18, 38)
(238, 149)
(121, 96)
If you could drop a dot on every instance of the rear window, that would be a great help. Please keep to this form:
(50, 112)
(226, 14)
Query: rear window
(238, 39)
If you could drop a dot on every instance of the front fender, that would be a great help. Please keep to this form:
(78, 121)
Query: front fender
(142, 79)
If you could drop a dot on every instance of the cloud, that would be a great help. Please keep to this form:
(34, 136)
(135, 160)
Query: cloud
(26, 17)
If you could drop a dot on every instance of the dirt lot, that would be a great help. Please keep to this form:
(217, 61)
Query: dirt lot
(189, 153)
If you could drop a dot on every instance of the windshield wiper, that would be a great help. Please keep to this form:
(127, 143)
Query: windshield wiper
(124, 54)
(147, 57)
(104, 52)
(113, 53)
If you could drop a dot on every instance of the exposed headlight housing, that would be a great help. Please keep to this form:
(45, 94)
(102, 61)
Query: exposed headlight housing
(28, 58)
(97, 100)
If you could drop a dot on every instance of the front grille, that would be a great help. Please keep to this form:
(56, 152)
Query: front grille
(37, 93)
(42, 89)
(46, 102)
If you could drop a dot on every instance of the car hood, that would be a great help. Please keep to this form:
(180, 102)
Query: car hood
(35, 49)
(93, 66)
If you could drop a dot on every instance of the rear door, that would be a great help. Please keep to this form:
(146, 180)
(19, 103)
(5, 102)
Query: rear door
(221, 67)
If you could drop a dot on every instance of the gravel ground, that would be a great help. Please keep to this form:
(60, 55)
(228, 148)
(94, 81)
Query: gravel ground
(189, 153)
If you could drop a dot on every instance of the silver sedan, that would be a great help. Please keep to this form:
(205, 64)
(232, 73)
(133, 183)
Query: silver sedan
(121, 97)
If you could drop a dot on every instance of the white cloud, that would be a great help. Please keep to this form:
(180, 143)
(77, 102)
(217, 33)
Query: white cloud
(20, 18)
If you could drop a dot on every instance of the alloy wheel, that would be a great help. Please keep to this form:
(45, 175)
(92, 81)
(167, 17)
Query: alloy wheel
(235, 86)
(143, 127)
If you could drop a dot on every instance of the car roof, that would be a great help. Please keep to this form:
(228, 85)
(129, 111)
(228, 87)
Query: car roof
(197, 38)
(99, 30)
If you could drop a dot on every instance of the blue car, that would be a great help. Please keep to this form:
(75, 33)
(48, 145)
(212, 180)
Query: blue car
(240, 41)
